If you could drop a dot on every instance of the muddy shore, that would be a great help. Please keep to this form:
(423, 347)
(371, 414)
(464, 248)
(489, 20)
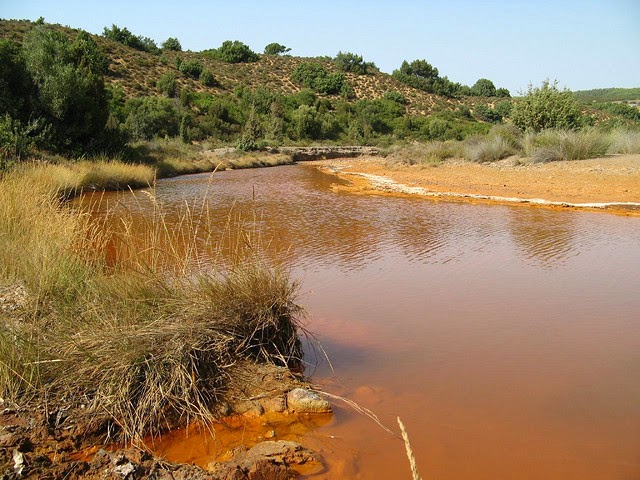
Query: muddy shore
(609, 184)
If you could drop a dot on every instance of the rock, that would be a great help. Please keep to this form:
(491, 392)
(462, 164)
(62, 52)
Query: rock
(125, 469)
(274, 404)
(305, 401)
(248, 408)
(265, 461)
(19, 464)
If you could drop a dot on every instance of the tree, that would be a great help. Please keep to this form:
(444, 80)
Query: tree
(172, 43)
(233, 52)
(124, 36)
(313, 75)
(167, 84)
(546, 107)
(276, 49)
(69, 82)
(418, 74)
(350, 62)
(484, 88)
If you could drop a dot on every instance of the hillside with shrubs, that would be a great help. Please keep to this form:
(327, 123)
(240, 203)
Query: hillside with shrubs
(70, 92)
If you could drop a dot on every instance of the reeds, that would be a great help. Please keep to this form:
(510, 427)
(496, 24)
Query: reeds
(142, 335)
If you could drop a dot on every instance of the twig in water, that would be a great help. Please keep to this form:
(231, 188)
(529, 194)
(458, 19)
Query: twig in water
(412, 459)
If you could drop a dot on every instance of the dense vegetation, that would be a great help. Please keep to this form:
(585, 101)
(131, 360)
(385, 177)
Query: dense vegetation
(608, 95)
(101, 93)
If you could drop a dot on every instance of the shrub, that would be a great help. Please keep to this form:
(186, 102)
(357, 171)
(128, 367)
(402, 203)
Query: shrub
(554, 145)
(314, 76)
(503, 108)
(546, 107)
(487, 114)
(149, 117)
(395, 96)
(503, 92)
(276, 49)
(124, 36)
(172, 43)
(484, 88)
(352, 63)
(207, 78)
(191, 68)
(167, 84)
(70, 92)
(233, 52)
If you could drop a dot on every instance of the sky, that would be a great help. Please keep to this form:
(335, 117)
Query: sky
(582, 44)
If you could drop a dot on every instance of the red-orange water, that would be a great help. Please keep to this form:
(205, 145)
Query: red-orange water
(506, 338)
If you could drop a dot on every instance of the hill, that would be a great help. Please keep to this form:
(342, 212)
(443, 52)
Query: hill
(608, 95)
(121, 88)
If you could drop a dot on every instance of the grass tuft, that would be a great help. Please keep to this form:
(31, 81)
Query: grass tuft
(624, 141)
(489, 149)
(553, 145)
(117, 314)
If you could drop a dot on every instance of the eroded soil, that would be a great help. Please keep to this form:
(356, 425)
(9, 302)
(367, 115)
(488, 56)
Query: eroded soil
(609, 180)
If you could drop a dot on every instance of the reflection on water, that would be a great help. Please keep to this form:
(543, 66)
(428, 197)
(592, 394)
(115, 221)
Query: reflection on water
(507, 338)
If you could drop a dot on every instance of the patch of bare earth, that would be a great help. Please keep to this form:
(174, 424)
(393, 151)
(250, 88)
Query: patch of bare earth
(611, 183)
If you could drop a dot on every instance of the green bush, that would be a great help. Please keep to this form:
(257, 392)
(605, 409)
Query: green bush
(395, 96)
(233, 52)
(314, 76)
(124, 36)
(276, 49)
(352, 63)
(69, 90)
(167, 84)
(503, 108)
(150, 117)
(621, 109)
(191, 68)
(207, 78)
(172, 43)
(487, 114)
(546, 107)
(484, 88)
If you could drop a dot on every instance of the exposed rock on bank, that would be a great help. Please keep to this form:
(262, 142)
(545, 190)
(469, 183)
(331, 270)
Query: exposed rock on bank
(318, 153)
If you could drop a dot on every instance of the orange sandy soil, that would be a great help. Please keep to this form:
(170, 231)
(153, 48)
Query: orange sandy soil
(610, 179)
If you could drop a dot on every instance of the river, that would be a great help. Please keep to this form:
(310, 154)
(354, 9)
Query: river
(507, 338)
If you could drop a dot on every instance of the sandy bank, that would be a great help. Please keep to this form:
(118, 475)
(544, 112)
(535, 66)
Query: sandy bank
(611, 184)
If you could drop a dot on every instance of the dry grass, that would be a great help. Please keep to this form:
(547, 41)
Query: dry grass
(489, 149)
(410, 455)
(140, 335)
(553, 145)
(624, 141)
(430, 153)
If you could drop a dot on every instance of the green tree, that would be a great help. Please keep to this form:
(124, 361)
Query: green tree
(207, 78)
(233, 52)
(69, 81)
(150, 117)
(313, 75)
(124, 36)
(191, 68)
(167, 84)
(172, 43)
(276, 49)
(546, 107)
(350, 62)
(484, 88)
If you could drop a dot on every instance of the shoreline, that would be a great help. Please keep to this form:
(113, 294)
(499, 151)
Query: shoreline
(610, 184)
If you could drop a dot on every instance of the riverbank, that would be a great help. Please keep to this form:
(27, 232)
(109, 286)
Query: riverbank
(111, 334)
(610, 183)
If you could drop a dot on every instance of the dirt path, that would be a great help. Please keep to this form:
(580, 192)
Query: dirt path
(611, 183)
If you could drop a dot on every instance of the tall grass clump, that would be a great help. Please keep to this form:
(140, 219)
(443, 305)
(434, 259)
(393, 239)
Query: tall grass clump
(624, 141)
(117, 316)
(555, 145)
(430, 153)
(488, 149)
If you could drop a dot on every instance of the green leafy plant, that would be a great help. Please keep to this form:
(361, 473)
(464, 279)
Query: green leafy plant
(233, 52)
(276, 49)
(172, 43)
(350, 62)
(546, 107)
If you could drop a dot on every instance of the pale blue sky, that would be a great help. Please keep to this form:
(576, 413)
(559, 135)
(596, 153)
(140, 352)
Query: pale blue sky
(583, 44)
